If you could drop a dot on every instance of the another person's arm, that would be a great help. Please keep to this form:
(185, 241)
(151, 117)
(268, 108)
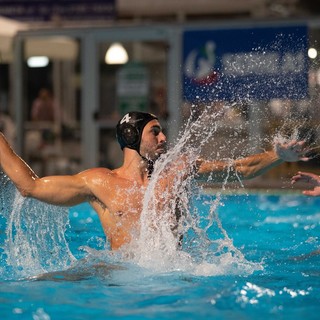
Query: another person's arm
(311, 179)
(254, 165)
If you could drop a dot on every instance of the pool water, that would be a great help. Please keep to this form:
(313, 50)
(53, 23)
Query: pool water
(277, 232)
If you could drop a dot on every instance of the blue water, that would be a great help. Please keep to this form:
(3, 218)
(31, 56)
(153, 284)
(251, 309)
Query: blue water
(276, 231)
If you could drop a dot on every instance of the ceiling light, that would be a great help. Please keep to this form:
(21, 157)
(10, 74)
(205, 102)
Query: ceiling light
(38, 62)
(116, 54)
(312, 53)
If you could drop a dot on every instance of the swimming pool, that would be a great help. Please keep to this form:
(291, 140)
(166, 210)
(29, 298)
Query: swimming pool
(277, 278)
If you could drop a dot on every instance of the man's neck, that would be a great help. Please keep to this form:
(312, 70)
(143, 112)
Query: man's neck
(136, 167)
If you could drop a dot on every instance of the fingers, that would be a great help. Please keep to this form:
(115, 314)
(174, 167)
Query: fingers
(301, 176)
(291, 144)
(310, 193)
(310, 178)
(294, 179)
(294, 143)
(307, 175)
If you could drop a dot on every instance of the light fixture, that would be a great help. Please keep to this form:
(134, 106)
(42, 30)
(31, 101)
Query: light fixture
(312, 53)
(116, 54)
(38, 62)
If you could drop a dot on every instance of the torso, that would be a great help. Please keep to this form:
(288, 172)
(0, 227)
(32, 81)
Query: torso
(119, 205)
(118, 202)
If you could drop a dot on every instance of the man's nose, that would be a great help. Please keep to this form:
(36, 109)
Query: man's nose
(162, 137)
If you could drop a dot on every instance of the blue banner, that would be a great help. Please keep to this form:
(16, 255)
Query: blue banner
(254, 64)
(46, 10)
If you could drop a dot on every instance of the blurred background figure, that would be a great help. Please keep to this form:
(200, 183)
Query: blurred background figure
(42, 143)
(43, 107)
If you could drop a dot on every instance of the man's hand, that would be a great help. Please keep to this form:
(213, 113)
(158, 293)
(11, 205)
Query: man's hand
(292, 151)
(310, 178)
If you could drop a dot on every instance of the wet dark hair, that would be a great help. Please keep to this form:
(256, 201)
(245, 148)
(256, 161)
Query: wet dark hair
(130, 127)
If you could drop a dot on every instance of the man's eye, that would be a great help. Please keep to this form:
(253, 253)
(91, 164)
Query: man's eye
(155, 131)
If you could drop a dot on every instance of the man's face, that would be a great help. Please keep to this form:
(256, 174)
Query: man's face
(153, 141)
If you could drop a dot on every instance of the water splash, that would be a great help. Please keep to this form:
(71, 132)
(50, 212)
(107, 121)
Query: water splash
(34, 240)
(205, 249)
(168, 198)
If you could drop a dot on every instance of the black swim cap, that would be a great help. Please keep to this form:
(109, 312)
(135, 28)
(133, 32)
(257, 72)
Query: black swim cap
(130, 127)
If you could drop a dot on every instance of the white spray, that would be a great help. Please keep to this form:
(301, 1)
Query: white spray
(35, 242)
(157, 246)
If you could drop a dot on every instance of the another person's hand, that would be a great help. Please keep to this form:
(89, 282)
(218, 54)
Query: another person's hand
(310, 178)
(292, 151)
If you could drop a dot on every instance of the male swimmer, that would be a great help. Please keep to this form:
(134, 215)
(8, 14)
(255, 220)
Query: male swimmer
(117, 195)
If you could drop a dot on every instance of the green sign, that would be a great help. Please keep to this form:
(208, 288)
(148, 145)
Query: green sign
(133, 88)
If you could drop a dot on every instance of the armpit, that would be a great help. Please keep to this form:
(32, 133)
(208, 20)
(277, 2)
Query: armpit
(98, 202)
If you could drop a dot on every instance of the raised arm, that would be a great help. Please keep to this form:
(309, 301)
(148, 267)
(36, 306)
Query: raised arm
(254, 165)
(59, 190)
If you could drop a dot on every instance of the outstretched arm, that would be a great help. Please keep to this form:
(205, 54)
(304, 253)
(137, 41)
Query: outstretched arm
(60, 190)
(311, 179)
(254, 165)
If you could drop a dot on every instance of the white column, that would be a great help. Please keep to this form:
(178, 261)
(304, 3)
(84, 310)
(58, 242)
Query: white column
(89, 102)
(17, 77)
(174, 83)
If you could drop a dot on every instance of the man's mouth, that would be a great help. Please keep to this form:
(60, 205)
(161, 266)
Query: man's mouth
(161, 149)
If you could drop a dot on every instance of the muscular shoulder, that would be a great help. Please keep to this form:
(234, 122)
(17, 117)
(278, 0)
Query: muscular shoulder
(96, 175)
(99, 181)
